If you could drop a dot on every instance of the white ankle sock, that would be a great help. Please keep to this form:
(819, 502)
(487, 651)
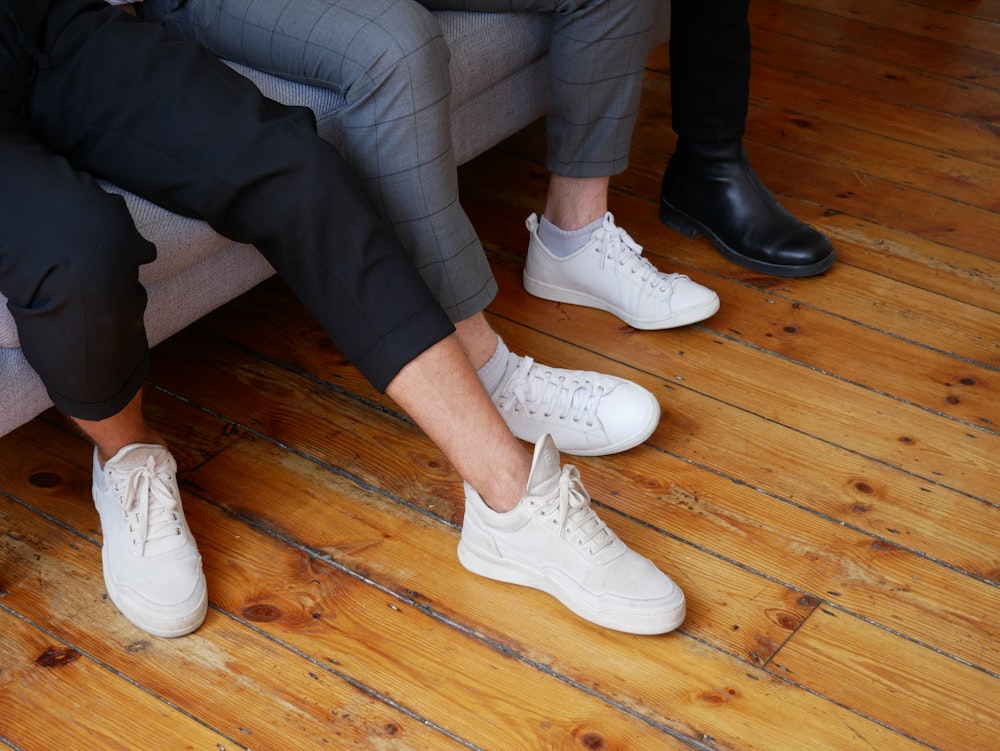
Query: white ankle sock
(493, 371)
(562, 242)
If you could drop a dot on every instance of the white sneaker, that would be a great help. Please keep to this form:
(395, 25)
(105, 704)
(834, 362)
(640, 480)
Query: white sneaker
(586, 413)
(554, 541)
(152, 567)
(610, 273)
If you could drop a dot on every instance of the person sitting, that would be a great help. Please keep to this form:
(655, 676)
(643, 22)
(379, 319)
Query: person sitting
(390, 62)
(88, 91)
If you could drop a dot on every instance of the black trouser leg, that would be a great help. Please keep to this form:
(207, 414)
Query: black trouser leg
(709, 187)
(69, 259)
(709, 68)
(163, 118)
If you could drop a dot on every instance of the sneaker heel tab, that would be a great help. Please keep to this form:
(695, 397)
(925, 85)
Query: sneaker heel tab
(531, 223)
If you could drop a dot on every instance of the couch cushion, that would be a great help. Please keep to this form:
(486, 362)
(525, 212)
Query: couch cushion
(8, 333)
(487, 48)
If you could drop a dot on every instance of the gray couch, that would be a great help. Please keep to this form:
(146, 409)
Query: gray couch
(499, 86)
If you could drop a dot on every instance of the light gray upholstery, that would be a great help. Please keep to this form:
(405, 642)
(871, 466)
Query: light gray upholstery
(499, 85)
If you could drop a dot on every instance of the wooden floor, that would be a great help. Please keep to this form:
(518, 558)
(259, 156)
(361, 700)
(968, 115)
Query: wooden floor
(823, 484)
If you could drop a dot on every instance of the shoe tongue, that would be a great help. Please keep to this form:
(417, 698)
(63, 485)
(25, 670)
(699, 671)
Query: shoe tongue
(137, 454)
(545, 468)
(163, 533)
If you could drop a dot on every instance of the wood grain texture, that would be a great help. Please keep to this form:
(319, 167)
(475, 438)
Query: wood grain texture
(823, 482)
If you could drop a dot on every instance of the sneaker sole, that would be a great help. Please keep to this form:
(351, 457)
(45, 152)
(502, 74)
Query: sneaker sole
(510, 572)
(680, 318)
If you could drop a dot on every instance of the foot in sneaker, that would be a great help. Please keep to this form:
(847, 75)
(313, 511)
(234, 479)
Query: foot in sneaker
(610, 273)
(586, 413)
(554, 541)
(152, 567)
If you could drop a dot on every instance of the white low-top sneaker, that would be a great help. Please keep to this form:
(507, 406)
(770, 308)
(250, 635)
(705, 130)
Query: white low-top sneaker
(586, 413)
(610, 273)
(152, 567)
(554, 541)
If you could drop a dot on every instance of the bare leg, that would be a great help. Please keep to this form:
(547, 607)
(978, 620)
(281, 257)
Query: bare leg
(478, 339)
(128, 426)
(464, 424)
(575, 202)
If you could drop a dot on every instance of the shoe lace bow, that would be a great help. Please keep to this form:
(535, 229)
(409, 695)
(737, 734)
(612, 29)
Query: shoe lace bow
(568, 507)
(536, 388)
(148, 501)
(618, 245)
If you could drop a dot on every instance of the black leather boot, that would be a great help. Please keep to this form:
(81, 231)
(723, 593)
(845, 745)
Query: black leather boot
(709, 187)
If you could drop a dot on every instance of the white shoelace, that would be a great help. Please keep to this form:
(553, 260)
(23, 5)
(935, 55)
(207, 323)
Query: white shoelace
(618, 245)
(536, 388)
(148, 502)
(568, 506)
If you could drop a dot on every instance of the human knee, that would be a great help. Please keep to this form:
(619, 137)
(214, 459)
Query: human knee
(91, 262)
(78, 306)
(402, 59)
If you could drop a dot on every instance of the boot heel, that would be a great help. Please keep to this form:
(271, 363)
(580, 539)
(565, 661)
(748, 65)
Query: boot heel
(676, 220)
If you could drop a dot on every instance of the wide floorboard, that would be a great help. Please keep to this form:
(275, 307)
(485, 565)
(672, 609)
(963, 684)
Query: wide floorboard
(824, 482)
